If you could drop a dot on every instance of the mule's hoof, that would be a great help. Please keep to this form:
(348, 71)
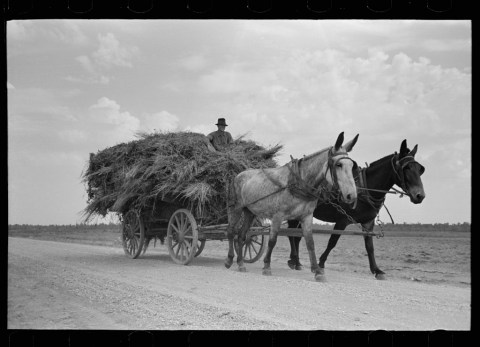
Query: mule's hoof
(291, 264)
(242, 269)
(267, 272)
(299, 267)
(320, 278)
(228, 263)
(381, 277)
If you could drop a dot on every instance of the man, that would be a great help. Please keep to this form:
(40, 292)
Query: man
(220, 138)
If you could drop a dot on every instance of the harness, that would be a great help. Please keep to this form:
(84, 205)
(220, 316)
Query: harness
(302, 189)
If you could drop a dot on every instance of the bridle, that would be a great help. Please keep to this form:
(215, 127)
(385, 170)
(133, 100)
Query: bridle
(332, 162)
(399, 165)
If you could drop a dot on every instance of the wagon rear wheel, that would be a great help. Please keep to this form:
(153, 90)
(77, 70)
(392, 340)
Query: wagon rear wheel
(182, 237)
(133, 234)
(254, 245)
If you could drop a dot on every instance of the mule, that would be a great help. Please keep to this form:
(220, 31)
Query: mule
(373, 183)
(289, 192)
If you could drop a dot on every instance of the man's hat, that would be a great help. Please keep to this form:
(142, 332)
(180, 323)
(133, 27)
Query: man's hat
(221, 121)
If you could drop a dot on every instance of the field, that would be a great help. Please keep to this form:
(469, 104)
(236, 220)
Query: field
(437, 257)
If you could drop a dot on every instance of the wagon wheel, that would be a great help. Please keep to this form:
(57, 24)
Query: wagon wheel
(133, 234)
(254, 245)
(200, 245)
(182, 236)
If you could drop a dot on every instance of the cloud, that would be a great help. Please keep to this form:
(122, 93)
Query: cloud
(112, 125)
(193, 62)
(319, 93)
(110, 53)
(161, 121)
(64, 31)
(19, 29)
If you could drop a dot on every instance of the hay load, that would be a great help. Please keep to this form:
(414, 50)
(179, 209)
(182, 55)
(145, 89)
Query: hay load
(169, 167)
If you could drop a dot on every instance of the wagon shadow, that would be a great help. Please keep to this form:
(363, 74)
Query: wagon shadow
(200, 261)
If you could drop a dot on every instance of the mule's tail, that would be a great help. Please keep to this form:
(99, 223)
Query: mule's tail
(231, 195)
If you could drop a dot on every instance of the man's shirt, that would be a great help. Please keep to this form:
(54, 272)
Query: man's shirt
(219, 139)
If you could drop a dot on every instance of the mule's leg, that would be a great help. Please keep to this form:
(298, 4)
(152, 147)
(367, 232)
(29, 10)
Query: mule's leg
(307, 234)
(234, 215)
(294, 262)
(272, 241)
(247, 223)
(379, 274)
(332, 242)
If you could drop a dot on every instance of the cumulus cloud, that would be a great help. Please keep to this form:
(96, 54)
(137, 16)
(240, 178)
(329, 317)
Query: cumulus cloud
(109, 54)
(319, 93)
(117, 125)
(112, 124)
(161, 121)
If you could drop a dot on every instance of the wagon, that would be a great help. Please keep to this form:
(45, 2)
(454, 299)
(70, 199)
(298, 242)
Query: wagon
(186, 236)
(184, 232)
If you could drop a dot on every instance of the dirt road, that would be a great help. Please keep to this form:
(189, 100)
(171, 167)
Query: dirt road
(54, 285)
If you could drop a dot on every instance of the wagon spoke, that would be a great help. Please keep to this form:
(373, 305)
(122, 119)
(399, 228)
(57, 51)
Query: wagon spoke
(183, 251)
(187, 247)
(258, 243)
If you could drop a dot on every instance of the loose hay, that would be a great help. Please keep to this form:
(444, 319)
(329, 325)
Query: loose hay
(169, 167)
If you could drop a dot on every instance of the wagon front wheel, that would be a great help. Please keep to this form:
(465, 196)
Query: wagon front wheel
(133, 234)
(182, 237)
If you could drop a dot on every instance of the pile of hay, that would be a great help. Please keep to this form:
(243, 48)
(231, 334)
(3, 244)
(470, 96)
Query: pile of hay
(172, 167)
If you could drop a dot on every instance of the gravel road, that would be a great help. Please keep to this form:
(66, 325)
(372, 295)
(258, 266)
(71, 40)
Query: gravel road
(55, 285)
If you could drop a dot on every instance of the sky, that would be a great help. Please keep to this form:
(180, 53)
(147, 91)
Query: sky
(79, 86)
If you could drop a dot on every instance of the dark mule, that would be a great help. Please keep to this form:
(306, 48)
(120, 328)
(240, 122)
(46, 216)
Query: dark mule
(288, 192)
(400, 169)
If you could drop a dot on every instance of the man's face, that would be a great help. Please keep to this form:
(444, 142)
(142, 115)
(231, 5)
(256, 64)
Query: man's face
(221, 127)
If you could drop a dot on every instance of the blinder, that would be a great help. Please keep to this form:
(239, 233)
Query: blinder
(402, 163)
(333, 160)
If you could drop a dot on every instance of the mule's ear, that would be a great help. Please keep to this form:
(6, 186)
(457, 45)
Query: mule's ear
(403, 149)
(339, 142)
(349, 145)
(414, 151)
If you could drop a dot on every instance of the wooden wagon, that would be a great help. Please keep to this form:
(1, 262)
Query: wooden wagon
(184, 232)
(186, 236)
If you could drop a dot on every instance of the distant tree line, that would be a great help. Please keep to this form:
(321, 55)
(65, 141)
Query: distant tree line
(83, 226)
(460, 227)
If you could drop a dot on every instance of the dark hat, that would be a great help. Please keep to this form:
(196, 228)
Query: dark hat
(221, 121)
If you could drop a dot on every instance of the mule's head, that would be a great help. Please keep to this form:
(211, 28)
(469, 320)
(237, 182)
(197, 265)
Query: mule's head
(341, 167)
(408, 172)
